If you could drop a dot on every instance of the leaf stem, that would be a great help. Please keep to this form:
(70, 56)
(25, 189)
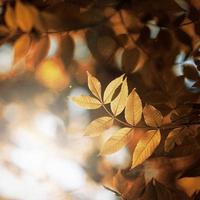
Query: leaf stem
(115, 118)
(163, 127)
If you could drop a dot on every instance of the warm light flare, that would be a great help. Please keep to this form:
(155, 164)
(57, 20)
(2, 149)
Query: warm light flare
(51, 73)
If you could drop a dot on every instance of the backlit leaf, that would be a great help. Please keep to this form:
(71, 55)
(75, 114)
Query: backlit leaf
(152, 116)
(24, 17)
(10, 18)
(87, 102)
(133, 110)
(145, 147)
(38, 50)
(119, 103)
(117, 141)
(96, 127)
(21, 47)
(174, 137)
(110, 89)
(94, 85)
(36, 17)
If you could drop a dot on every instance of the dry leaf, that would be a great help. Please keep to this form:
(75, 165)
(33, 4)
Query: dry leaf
(94, 85)
(96, 127)
(110, 89)
(133, 110)
(117, 141)
(10, 18)
(119, 103)
(174, 137)
(24, 17)
(145, 147)
(87, 102)
(21, 47)
(152, 116)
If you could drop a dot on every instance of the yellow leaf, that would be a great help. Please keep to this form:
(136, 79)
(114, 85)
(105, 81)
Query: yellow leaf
(24, 17)
(87, 102)
(133, 110)
(10, 18)
(174, 137)
(96, 127)
(21, 47)
(119, 103)
(152, 116)
(110, 89)
(117, 141)
(145, 147)
(94, 85)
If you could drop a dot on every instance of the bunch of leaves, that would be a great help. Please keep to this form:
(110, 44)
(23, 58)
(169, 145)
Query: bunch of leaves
(131, 107)
(175, 138)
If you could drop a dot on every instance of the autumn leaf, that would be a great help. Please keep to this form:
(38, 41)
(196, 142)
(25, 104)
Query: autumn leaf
(133, 110)
(21, 47)
(96, 127)
(24, 17)
(110, 89)
(10, 18)
(145, 147)
(174, 137)
(119, 103)
(152, 116)
(94, 85)
(86, 102)
(117, 141)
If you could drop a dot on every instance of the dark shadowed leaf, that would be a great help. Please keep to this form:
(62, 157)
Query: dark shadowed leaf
(130, 59)
(183, 37)
(190, 72)
(179, 20)
(66, 50)
(122, 39)
(106, 46)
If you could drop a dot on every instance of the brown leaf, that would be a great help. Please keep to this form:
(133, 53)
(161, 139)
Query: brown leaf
(130, 59)
(190, 72)
(66, 49)
(152, 116)
(106, 46)
(174, 137)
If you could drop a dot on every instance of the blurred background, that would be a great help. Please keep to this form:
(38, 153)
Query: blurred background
(44, 154)
(46, 48)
